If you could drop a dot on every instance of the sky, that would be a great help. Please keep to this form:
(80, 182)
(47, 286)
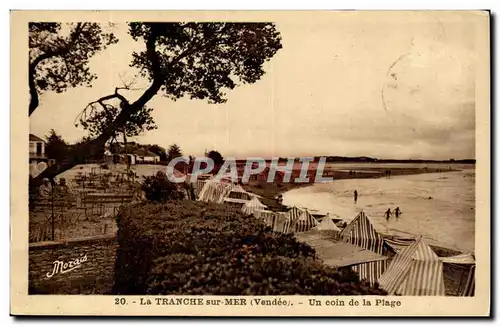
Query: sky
(348, 85)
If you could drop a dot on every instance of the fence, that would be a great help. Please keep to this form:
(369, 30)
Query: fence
(86, 208)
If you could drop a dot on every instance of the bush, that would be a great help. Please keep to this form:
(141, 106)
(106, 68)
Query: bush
(158, 188)
(188, 247)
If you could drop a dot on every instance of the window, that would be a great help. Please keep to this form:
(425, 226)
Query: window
(39, 148)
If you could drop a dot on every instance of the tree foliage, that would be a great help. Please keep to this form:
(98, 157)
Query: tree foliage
(160, 151)
(216, 157)
(81, 149)
(56, 147)
(195, 248)
(196, 60)
(187, 59)
(159, 189)
(59, 56)
(173, 152)
(101, 117)
(202, 60)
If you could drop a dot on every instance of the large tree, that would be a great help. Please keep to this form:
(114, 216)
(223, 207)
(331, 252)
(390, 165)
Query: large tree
(59, 55)
(56, 147)
(216, 157)
(195, 60)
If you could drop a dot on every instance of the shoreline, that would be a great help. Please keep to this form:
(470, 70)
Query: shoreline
(270, 191)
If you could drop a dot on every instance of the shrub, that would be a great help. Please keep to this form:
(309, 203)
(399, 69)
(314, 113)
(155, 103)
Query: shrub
(158, 188)
(187, 247)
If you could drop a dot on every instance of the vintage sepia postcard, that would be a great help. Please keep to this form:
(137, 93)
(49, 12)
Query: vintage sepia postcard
(250, 163)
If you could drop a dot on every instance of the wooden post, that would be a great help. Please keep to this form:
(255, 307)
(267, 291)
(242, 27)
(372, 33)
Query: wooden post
(52, 214)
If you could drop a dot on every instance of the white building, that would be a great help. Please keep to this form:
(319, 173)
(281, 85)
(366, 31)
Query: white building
(37, 150)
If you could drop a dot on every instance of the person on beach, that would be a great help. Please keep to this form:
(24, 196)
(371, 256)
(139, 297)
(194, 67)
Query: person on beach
(388, 213)
(397, 211)
(355, 195)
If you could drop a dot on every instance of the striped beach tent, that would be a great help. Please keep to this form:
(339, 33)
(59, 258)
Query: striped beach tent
(466, 263)
(234, 205)
(470, 284)
(294, 213)
(360, 232)
(371, 271)
(466, 258)
(237, 192)
(416, 270)
(291, 218)
(269, 217)
(304, 222)
(252, 206)
(281, 223)
(198, 186)
(398, 244)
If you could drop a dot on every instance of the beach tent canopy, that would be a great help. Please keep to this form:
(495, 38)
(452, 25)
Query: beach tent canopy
(466, 258)
(269, 217)
(398, 244)
(198, 187)
(304, 222)
(298, 221)
(360, 232)
(368, 264)
(327, 225)
(281, 224)
(237, 192)
(214, 191)
(470, 283)
(416, 270)
(284, 222)
(337, 254)
(292, 216)
(294, 213)
(465, 262)
(253, 205)
(342, 254)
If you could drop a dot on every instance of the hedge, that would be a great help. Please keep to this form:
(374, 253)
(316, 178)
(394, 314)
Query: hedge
(187, 247)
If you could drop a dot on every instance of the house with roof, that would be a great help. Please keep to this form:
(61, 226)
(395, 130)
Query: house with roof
(37, 150)
(132, 154)
(142, 155)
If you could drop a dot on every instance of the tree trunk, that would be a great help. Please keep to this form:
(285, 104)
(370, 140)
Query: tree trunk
(90, 151)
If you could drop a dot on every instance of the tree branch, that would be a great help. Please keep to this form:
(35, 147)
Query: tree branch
(34, 97)
(159, 73)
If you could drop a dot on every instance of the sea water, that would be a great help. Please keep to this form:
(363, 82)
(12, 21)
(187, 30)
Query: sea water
(438, 206)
